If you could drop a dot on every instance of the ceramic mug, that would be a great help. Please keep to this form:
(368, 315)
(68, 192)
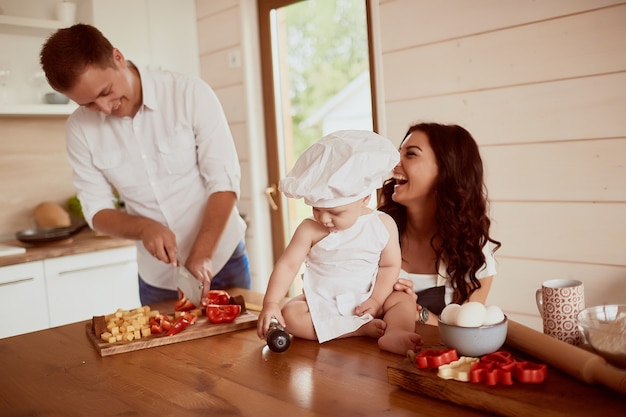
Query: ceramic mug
(559, 301)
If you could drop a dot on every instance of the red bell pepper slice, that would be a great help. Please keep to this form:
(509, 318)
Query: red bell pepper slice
(220, 297)
(159, 324)
(179, 325)
(213, 297)
(191, 317)
(435, 358)
(183, 303)
(222, 313)
(166, 325)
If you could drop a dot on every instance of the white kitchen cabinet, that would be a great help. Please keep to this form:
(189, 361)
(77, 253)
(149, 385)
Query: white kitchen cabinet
(92, 284)
(154, 34)
(23, 303)
(57, 291)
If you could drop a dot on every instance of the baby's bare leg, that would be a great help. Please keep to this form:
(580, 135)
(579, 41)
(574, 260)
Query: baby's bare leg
(298, 318)
(399, 314)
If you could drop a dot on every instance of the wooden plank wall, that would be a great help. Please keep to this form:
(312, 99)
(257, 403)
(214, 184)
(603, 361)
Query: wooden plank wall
(221, 32)
(542, 87)
(33, 169)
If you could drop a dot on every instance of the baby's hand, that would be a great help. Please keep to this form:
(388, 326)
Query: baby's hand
(370, 306)
(269, 311)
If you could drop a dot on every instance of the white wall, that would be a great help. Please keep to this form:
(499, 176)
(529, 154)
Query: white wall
(228, 29)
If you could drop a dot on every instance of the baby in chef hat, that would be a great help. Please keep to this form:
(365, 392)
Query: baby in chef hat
(351, 252)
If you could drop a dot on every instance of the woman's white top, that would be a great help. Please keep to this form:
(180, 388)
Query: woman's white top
(425, 281)
(340, 275)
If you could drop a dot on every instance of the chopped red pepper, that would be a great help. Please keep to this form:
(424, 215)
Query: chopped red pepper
(180, 324)
(183, 303)
(222, 313)
(220, 297)
(192, 318)
(159, 324)
(166, 325)
(213, 297)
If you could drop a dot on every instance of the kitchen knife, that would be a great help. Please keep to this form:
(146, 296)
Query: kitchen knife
(188, 284)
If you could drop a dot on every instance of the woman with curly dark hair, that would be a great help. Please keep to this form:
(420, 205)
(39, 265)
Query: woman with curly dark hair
(438, 199)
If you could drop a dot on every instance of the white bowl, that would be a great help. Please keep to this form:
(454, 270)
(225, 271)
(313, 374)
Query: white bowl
(56, 98)
(474, 341)
(604, 328)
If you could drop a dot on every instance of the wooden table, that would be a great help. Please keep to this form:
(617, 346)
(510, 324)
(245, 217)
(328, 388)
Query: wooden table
(58, 372)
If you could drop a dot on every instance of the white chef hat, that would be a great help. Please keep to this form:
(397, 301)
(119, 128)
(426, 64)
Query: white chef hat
(341, 168)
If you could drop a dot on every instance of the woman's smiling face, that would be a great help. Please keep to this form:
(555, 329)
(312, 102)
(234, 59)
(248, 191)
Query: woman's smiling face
(417, 171)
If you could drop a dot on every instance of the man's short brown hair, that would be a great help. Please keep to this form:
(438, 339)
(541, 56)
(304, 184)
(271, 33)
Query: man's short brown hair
(68, 52)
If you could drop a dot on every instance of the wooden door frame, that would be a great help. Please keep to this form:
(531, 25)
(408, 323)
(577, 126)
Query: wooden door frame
(264, 7)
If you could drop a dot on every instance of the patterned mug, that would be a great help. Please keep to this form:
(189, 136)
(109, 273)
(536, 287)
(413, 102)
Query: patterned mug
(559, 301)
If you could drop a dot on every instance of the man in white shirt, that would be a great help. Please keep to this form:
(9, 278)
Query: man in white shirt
(161, 140)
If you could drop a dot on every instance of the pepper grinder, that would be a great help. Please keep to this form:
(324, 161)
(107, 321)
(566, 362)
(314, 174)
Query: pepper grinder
(278, 340)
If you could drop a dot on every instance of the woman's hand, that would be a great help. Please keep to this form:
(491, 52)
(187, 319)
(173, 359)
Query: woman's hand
(405, 285)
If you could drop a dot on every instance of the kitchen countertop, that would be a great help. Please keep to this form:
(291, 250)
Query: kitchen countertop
(83, 242)
(58, 372)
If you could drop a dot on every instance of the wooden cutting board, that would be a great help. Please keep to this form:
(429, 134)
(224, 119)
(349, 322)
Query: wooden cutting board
(202, 328)
(559, 395)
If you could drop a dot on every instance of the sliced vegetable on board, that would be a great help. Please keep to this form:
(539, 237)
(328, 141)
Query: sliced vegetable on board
(217, 313)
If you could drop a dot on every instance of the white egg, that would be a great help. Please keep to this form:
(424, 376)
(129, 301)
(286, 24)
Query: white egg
(449, 313)
(471, 314)
(493, 315)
